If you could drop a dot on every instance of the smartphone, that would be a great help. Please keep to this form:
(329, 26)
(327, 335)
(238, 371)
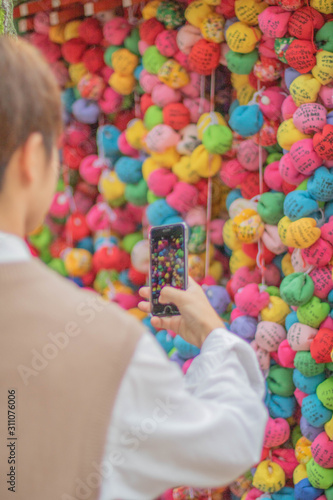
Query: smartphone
(168, 264)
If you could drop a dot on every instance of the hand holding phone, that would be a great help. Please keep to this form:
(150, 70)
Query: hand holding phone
(168, 264)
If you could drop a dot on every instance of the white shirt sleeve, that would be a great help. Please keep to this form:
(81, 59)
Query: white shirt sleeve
(201, 430)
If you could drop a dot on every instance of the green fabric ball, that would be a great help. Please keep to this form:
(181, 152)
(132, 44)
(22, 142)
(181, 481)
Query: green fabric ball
(280, 381)
(42, 239)
(171, 14)
(109, 52)
(61, 185)
(128, 101)
(325, 393)
(273, 291)
(313, 313)
(153, 60)
(296, 434)
(197, 240)
(153, 116)
(318, 476)
(104, 278)
(45, 255)
(217, 139)
(131, 43)
(329, 366)
(58, 265)
(272, 157)
(151, 197)
(329, 493)
(297, 289)
(324, 37)
(137, 193)
(270, 207)
(305, 364)
(241, 64)
(303, 186)
(130, 240)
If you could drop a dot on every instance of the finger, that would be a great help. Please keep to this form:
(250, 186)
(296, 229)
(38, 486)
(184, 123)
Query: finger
(165, 323)
(145, 307)
(144, 292)
(171, 294)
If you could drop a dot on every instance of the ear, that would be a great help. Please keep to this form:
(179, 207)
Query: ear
(32, 158)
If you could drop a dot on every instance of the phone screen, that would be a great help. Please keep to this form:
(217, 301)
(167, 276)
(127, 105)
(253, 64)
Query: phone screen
(168, 264)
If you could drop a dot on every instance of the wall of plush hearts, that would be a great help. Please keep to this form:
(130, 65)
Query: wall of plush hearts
(219, 114)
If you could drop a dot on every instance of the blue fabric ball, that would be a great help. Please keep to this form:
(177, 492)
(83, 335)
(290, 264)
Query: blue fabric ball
(246, 120)
(291, 319)
(107, 141)
(280, 406)
(185, 349)
(234, 194)
(307, 384)
(298, 204)
(286, 493)
(165, 340)
(129, 170)
(305, 491)
(158, 211)
(86, 244)
(147, 322)
(173, 219)
(320, 184)
(315, 412)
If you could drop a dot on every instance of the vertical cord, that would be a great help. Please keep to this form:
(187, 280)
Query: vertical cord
(210, 182)
(260, 256)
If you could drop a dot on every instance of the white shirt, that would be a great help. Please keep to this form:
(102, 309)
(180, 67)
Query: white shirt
(203, 429)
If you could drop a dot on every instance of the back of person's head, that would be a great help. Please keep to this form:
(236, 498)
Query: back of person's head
(30, 117)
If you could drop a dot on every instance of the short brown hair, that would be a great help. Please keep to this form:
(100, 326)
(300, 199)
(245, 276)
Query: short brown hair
(29, 98)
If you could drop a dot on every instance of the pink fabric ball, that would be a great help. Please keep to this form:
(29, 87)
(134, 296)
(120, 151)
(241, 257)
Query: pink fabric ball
(288, 108)
(310, 118)
(116, 30)
(99, 217)
(300, 336)
(272, 176)
(183, 197)
(271, 102)
(248, 155)
(187, 36)
(250, 300)
(166, 43)
(303, 157)
(148, 81)
(110, 101)
(288, 172)
(196, 107)
(91, 168)
(162, 95)
(161, 138)
(286, 355)
(192, 89)
(161, 182)
(125, 148)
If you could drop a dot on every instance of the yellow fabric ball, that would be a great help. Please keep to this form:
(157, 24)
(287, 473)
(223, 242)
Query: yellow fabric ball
(173, 74)
(240, 259)
(57, 34)
(248, 226)
(287, 267)
(230, 237)
(212, 28)
(166, 159)
(196, 12)
(110, 186)
(323, 6)
(301, 233)
(204, 163)
(299, 473)
(124, 62)
(323, 70)
(276, 311)
(149, 166)
(242, 38)
(304, 89)
(269, 477)
(72, 30)
(150, 9)
(124, 85)
(78, 262)
(135, 133)
(185, 171)
(208, 119)
(77, 72)
(247, 11)
(303, 450)
(288, 134)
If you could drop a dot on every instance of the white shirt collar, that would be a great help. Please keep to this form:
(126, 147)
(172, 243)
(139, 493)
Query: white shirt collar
(13, 249)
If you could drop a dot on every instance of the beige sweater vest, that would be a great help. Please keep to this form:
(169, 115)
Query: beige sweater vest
(63, 353)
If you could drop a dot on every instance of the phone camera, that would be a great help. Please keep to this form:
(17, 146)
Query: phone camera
(168, 310)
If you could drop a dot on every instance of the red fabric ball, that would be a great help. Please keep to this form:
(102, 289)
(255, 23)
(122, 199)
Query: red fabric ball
(90, 31)
(149, 30)
(300, 56)
(226, 8)
(137, 278)
(303, 21)
(57, 247)
(73, 50)
(77, 227)
(176, 115)
(291, 4)
(93, 59)
(72, 157)
(251, 250)
(89, 278)
(111, 258)
(122, 119)
(323, 142)
(204, 57)
(250, 187)
(321, 346)
(287, 188)
(145, 103)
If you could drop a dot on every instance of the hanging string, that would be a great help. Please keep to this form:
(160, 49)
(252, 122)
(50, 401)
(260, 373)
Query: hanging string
(210, 182)
(202, 93)
(260, 256)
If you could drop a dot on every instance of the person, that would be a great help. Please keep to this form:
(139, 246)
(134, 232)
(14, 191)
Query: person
(95, 408)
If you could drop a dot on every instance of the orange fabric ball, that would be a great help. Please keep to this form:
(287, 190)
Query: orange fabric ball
(204, 57)
(177, 115)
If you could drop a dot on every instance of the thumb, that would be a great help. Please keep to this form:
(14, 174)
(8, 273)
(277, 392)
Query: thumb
(171, 294)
